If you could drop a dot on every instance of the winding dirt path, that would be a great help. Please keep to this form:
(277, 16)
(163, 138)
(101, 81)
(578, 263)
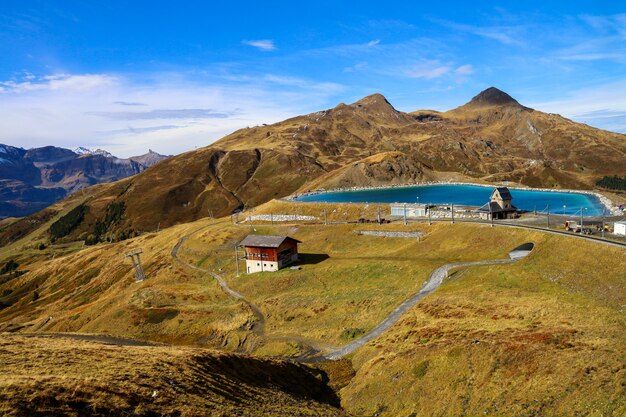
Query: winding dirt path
(434, 281)
(316, 351)
(312, 347)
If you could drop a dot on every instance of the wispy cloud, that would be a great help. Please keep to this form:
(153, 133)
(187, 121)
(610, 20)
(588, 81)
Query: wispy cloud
(601, 56)
(428, 70)
(607, 24)
(190, 109)
(359, 66)
(129, 103)
(163, 114)
(466, 69)
(58, 82)
(601, 106)
(139, 130)
(606, 119)
(262, 44)
(373, 42)
(507, 35)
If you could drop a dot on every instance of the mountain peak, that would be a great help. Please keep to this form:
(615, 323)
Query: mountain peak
(86, 151)
(373, 101)
(493, 97)
(375, 98)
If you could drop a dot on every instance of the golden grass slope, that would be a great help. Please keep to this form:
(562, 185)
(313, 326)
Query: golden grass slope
(62, 376)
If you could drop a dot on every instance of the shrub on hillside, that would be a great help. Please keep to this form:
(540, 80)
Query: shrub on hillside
(10, 266)
(69, 222)
(113, 215)
(612, 183)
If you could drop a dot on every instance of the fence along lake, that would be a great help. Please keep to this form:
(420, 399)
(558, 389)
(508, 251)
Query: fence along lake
(560, 202)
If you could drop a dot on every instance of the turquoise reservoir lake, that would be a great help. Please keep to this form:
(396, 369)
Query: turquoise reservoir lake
(467, 195)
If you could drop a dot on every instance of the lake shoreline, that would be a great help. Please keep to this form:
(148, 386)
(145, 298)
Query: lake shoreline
(604, 201)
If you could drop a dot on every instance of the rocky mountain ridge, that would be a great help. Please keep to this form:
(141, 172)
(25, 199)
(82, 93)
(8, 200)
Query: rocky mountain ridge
(35, 178)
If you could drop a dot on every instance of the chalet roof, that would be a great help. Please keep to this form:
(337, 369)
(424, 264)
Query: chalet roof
(259, 241)
(495, 208)
(504, 193)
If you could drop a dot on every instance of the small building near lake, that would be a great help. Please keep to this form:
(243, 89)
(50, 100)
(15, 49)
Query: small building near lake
(410, 210)
(269, 253)
(619, 228)
(499, 205)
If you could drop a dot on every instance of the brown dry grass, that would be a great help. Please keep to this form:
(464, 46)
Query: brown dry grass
(60, 376)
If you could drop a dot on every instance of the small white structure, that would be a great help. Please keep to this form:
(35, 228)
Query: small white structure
(619, 228)
(410, 210)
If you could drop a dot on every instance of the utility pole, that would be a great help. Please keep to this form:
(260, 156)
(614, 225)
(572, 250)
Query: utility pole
(237, 260)
(211, 215)
(325, 218)
(378, 215)
(603, 215)
(548, 216)
(581, 220)
(404, 213)
(490, 214)
(272, 219)
(452, 205)
(134, 258)
(429, 222)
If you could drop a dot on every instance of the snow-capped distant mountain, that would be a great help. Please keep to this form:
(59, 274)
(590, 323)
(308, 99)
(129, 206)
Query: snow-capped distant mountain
(82, 151)
(10, 154)
(35, 178)
(86, 151)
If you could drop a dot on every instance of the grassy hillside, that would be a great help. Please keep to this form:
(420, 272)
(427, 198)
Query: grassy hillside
(61, 376)
(544, 336)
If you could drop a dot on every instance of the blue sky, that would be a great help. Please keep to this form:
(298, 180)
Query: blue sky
(128, 76)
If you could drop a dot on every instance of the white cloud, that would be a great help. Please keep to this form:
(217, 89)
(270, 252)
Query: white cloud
(507, 35)
(601, 106)
(360, 66)
(262, 44)
(373, 43)
(428, 70)
(601, 56)
(58, 82)
(174, 112)
(466, 69)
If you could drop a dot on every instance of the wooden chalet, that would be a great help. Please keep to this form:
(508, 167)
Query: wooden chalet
(269, 253)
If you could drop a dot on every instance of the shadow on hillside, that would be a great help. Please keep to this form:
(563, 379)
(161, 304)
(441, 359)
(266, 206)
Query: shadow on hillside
(311, 258)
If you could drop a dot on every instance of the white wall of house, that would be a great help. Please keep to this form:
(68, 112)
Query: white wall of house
(619, 228)
(253, 266)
